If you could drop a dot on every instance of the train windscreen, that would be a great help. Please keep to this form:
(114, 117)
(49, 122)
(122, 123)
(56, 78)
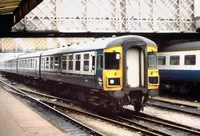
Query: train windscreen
(152, 59)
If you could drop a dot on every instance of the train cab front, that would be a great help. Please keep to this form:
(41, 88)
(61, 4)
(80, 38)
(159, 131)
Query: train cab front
(126, 75)
(135, 73)
(153, 73)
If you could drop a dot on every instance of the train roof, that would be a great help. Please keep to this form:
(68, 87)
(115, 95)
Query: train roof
(182, 47)
(95, 44)
(9, 56)
(30, 55)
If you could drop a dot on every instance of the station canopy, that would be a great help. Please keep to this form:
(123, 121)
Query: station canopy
(8, 6)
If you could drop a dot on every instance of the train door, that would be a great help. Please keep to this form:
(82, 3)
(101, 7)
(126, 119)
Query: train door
(57, 67)
(99, 69)
(92, 64)
(135, 67)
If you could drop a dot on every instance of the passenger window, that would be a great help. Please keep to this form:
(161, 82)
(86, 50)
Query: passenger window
(43, 66)
(161, 60)
(78, 61)
(47, 62)
(86, 62)
(100, 61)
(190, 59)
(25, 63)
(35, 61)
(174, 60)
(51, 63)
(64, 62)
(93, 62)
(56, 62)
(31, 65)
(70, 62)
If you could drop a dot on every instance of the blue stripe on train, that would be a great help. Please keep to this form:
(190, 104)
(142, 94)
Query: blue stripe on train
(180, 75)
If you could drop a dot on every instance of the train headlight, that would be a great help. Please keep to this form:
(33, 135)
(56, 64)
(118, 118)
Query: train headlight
(113, 81)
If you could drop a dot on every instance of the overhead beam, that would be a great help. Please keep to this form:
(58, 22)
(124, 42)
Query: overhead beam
(9, 4)
(9, 1)
(7, 10)
(10, 7)
(24, 8)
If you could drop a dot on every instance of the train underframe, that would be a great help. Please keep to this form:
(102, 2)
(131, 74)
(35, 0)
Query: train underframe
(180, 87)
(99, 100)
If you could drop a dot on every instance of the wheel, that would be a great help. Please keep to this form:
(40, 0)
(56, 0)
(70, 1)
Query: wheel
(118, 106)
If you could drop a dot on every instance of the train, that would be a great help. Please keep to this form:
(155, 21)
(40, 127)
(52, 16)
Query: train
(179, 67)
(104, 72)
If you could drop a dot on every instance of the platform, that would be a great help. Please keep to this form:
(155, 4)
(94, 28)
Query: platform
(17, 119)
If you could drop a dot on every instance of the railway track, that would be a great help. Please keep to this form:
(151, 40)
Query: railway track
(75, 127)
(132, 122)
(62, 108)
(180, 106)
(142, 117)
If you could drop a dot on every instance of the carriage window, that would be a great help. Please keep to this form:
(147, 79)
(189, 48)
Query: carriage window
(78, 61)
(26, 63)
(190, 59)
(70, 62)
(93, 62)
(22, 63)
(56, 63)
(51, 63)
(31, 63)
(100, 61)
(43, 66)
(174, 60)
(161, 60)
(112, 60)
(64, 62)
(47, 62)
(86, 62)
(35, 61)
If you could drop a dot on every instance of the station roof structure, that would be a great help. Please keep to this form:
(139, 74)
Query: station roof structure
(63, 18)
(8, 6)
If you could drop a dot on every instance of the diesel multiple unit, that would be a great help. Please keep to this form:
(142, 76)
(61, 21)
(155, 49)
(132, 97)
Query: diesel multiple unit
(107, 72)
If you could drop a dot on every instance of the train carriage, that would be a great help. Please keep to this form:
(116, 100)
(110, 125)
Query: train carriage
(106, 72)
(179, 67)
